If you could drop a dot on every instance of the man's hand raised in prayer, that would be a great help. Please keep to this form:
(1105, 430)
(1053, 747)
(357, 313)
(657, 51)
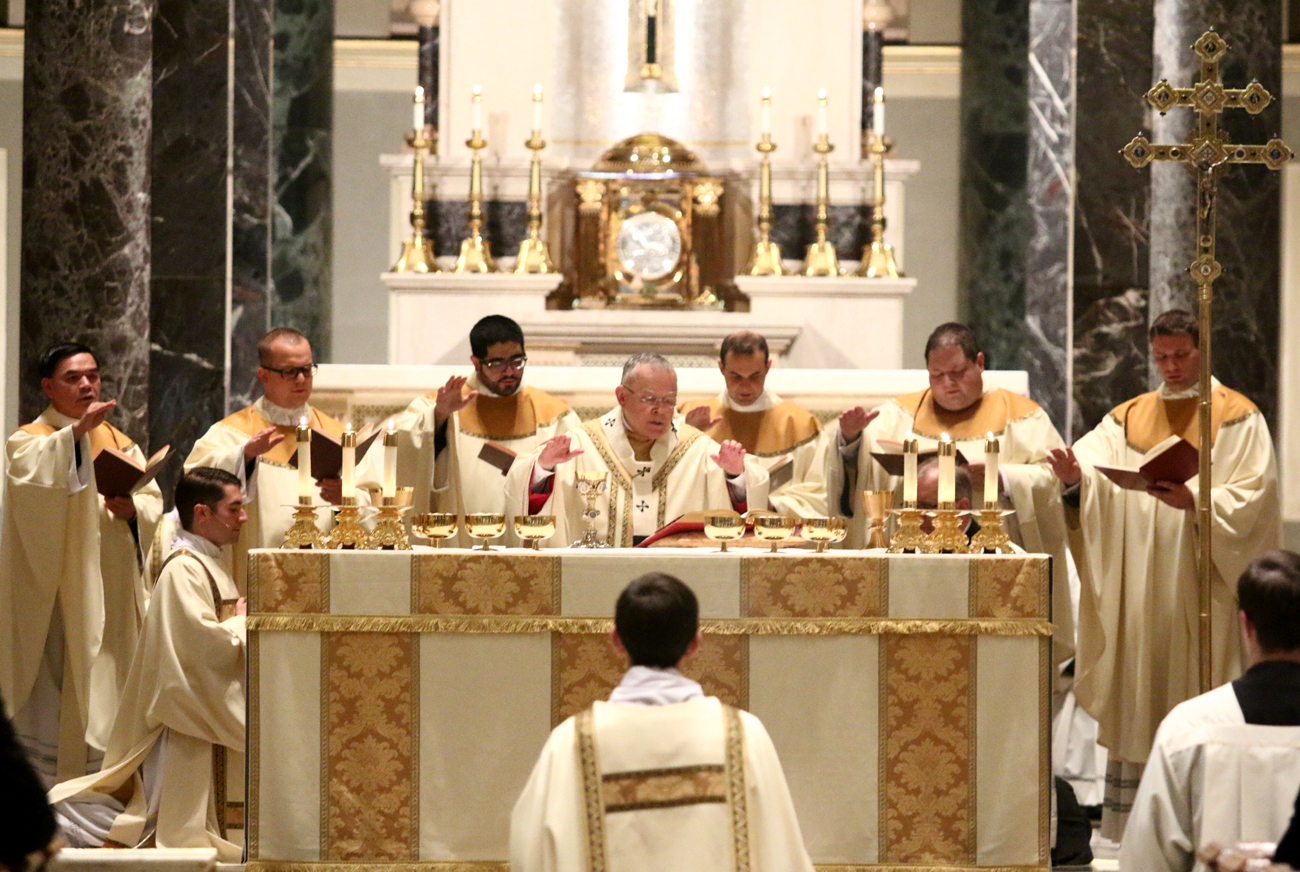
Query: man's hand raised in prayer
(122, 508)
(1065, 465)
(451, 398)
(558, 449)
(95, 415)
(854, 421)
(702, 419)
(262, 442)
(1179, 496)
(731, 457)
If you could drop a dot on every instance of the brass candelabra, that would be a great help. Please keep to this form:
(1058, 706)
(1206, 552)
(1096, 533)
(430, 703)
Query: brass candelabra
(475, 252)
(534, 256)
(878, 257)
(908, 538)
(992, 537)
(417, 251)
(947, 537)
(821, 259)
(304, 533)
(348, 532)
(766, 259)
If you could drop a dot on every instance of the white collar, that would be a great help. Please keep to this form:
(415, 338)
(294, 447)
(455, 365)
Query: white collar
(279, 415)
(55, 418)
(645, 685)
(764, 401)
(196, 543)
(1193, 391)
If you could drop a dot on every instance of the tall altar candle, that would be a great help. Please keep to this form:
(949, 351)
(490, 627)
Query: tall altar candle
(390, 461)
(910, 449)
(477, 123)
(349, 463)
(947, 470)
(822, 128)
(991, 449)
(878, 113)
(303, 435)
(417, 112)
(766, 113)
(537, 108)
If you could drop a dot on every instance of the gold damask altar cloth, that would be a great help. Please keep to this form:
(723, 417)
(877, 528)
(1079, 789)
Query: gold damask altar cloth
(398, 700)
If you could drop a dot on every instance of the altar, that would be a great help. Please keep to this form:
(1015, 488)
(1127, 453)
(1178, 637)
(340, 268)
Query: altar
(398, 700)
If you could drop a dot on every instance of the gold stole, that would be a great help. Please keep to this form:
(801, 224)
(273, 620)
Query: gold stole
(990, 413)
(769, 433)
(249, 422)
(513, 417)
(1148, 419)
(103, 436)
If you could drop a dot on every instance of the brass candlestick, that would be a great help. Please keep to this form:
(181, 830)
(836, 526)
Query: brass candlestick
(534, 257)
(475, 253)
(348, 532)
(878, 257)
(766, 259)
(947, 537)
(304, 533)
(417, 252)
(908, 538)
(877, 503)
(821, 259)
(390, 533)
(992, 537)
(590, 486)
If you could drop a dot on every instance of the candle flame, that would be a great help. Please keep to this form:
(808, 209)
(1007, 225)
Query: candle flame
(419, 93)
(392, 425)
(537, 92)
(880, 95)
(302, 422)
(821, 95)
(478, 93)
(767, 94)
(347, 428)
(944, 437)
(990, 436)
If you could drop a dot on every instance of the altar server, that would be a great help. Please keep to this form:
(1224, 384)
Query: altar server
(183, 706)
(661, 777)
(658, 467)
(258, 444)
(72, 595)
(1137, 556)
(775, 431)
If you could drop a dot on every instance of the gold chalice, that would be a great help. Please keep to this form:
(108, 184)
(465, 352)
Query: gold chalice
(877, 504)
(435, 526)
(485, 526)
(824, 531)
(724, 527)
(775, 528)
(590, 486)
(535, 528)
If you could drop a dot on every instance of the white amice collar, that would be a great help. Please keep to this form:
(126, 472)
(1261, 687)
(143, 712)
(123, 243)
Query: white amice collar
(279, 415)
(1193, 391)
(646, 685)
(196, 543)
(766, 400)
(55, 418)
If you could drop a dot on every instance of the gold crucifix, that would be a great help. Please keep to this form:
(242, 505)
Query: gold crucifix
(1207, 155)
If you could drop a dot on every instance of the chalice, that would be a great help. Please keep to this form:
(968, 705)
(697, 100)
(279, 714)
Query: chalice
(485, 526)
(775, 529)
(724, 527)
(535, 528)
(590, 486)
(435, 526)
(824, 531)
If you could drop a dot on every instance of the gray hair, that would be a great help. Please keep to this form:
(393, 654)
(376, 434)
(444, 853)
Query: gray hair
(645, 358)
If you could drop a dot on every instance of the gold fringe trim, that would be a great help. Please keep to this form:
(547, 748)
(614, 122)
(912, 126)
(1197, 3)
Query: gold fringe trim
(504, 624)
(394, 866)
(789, 449)
(1240, 418)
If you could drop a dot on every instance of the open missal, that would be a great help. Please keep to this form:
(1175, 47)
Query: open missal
(327, 451)
(892, 457)
(1175, 459)
(119, 475)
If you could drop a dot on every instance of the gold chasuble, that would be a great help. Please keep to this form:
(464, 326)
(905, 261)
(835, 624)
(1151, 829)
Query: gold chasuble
(1029, 486)
(1138, 561)
(657, 788)
(72, 593)
(271, 485)
(777, 432)
(640, 495)
(468, 473)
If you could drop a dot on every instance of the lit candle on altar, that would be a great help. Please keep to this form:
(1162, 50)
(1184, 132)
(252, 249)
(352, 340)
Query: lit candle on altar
(537, 109)
(947, 471)
(910, 449)
(390, 461)
(991, 449)
(478, 109)
(766, 113)
(417, 112)
(821, 112)
(349, 463)
(303, 435)
(878, 113)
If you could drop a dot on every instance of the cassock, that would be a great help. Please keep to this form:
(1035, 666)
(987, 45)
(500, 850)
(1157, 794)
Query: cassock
(270, 483)
(692, 786)
(72, 594)
(1137, 560)
(181, 723)
(640, 496)
(464, 470)
(775, 431)
(1025, 435)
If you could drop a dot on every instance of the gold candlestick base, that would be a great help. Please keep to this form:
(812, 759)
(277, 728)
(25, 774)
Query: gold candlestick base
(417, 256)
(947, 537)
(390, 533)
(821, 260)
(766, 259)
(417, 252)
(992, 537)
(878, 256)
(475, 256)
(877, 504)
(534, 257)
(908, 538)
(878, 262)
(304, 533)
(348, 532)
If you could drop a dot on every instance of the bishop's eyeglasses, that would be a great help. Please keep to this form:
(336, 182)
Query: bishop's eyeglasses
(498, 364)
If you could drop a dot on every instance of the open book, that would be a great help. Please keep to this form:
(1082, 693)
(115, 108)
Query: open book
(119, 475)
(327, 451)
(780, 473)
(1175, 459)
(891, 458)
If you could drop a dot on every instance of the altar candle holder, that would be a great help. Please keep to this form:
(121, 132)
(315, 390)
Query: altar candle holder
(947, 537)
(590, 486)
(417, 252)
(821, 259)
(475, 252)
(348, 533)
(877, 503)
(766, 258)
(878, 257)
(304, 533)
(992, 537)
(390, 533)
(534, 256)
(908, 538)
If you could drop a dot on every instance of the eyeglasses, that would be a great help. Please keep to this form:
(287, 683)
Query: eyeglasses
(650, 401)
(292, 373)
(499, 364)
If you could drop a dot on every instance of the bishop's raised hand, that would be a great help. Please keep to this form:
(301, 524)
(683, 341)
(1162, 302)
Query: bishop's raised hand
(557, 450)
(731, 457)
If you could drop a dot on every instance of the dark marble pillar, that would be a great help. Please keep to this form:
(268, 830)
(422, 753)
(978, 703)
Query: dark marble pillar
(85, 199)
(430, 43)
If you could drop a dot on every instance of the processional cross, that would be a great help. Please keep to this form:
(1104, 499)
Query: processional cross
(1208, 155)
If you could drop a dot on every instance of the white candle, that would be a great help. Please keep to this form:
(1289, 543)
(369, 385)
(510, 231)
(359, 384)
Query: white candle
(390, 461)
(477, 123)
(878, 113)
(766, 113)
(304, 461)
(537, 109)
(349, 463)
(821, 112)
(910, 448)
(417, 112)
(991, 449)
(947, 471)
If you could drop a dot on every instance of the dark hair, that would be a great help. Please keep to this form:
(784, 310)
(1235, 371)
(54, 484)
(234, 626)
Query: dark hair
(953, 333)
(292, 336)
(744, 342)
(961, 481)
(51, 359)
(492, 330)
(1269, 593)
(201, 485)
(1176, 322)
(656, 617)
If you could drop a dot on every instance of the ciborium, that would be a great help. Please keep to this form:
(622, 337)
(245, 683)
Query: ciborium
(590, 486)
(485, 526)
(824, 531)
(534, 528)
(724, 527)
(775, 529)
(435, 526)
